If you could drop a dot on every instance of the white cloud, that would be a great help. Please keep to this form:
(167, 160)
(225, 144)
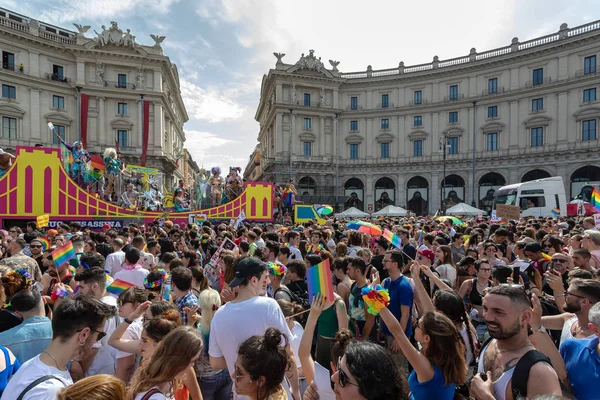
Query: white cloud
(209, 104)
(209, 150)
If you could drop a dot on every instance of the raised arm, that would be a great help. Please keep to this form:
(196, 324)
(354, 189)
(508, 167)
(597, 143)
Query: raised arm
(128, 346)
(424, 301)
(308, 365)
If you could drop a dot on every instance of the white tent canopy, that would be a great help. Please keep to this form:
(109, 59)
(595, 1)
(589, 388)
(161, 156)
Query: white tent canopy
(391, 211)
(464, 209)
(352, 212)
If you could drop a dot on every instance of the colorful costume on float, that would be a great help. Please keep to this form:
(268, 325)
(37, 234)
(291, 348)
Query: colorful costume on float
(216, 186)
(201, 186)
(181, 199)
(81, 157)
(113, 167)
(233, 184)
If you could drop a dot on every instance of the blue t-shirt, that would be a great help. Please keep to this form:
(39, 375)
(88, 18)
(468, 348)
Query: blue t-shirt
(401, 294)
(435, 388)
(583, 366)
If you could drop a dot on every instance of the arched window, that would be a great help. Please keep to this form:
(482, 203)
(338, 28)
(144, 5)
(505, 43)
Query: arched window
(354, 192)
(488, 184)
(535, 174)
(385, 193)
(417, 193)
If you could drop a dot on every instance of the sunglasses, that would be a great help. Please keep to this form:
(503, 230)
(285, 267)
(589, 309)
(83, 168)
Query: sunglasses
(560, 260)
(344, 380)
(121, 302)
(101, 334)
(35, 246)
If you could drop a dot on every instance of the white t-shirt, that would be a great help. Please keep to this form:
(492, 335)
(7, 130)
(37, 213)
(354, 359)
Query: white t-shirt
(29, 372)
(323, 382)
(134, 276)
(104, 361)
(297, 332)
(114, 261)
(294, 254)
(235, 322)
(156, 396)
(447, 271)
(133, 332)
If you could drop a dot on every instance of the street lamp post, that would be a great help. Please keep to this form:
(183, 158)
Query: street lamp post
(473, 203)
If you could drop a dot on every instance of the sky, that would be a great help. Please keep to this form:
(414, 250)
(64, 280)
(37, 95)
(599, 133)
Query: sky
(223, 48)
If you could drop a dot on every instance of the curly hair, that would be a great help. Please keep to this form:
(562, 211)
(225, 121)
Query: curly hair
(14, 282)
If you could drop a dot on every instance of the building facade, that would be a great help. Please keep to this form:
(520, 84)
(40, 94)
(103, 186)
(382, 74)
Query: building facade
(44, 68)
(377, 137)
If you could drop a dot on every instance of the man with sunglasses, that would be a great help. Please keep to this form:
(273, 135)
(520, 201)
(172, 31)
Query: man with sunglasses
(76, 325)
(18, 260)
(37, 253)
(559, 270)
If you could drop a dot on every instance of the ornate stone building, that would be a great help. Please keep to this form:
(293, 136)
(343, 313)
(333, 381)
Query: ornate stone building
(376, 137)
(44, 68)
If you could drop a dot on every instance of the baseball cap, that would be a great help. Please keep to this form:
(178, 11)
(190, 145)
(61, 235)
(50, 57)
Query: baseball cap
(106, 226)
(246, 268)
(533, 247)
(427, 253)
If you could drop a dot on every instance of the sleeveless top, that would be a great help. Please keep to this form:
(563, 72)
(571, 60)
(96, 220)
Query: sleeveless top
(499, 386)
(327, 324)
(566, 330)
(474, 296)
(9, 369)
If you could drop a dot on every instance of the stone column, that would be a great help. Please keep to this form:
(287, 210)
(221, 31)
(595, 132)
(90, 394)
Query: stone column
(80, 75)
(469, 138)
(514, 78)
(563, 68)
(34, 64)
(278, 134)
(138, 139)
(35, 128)
(563, 121)
(369, 138)
(279, 93)
(401, 190)
(435, 131)
(472, 86)
(336, 138)
(102, 137)
(336, 100)
(157, 80)
(293, 146)
(369, 192)
(401, 137)
(322, 151)
(435, 192)
(158, 128)
(512, 136)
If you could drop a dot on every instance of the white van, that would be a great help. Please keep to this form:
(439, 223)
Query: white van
(535, 198)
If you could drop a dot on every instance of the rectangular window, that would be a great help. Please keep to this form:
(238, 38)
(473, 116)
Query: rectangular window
(588, 129)
(418, 97)
(307, 99)
(385, 100)
(8, 60)
(492, 111)
(492, 85)
(61, 131)
(307, 149)
(453, 145)
(417, 148)
(9, 128)
(354, 126)
(453, 92)
(589, 65)
(537, 137)
(307, 123)
(354, 151)
(492, 141)
(537, 104)
(385, 123)
(538, 76)
(417, 120)
(122, 81)
(122, 108)
(58, 102)
(122, 137)
(589, 95)
(385, 150)
(9, 92)
(453, 117)
(57, 71)
(354, 103)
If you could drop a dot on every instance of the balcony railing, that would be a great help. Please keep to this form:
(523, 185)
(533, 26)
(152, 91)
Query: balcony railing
(421, 103)
(119, 85)
(56, 38)
(10, 67)
(56, 78)
(589, 72)
(458, 97)
(385, 105)
(538, 82)
(19, 26)
(499, 90)
(357, 108)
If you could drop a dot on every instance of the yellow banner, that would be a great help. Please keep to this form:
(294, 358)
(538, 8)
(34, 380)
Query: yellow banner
(42, 221)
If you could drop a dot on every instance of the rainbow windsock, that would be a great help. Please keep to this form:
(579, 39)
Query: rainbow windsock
(595, 199)
(118, 287)
(45, 243)
(555, 211)
(63, 254)
(319, 281)
(392, 238)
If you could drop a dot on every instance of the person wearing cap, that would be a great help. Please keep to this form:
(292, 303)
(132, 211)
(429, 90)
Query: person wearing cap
(251, 313)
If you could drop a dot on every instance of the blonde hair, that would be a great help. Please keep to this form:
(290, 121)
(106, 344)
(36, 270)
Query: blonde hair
(172, 356)
(209, 300)
(97, 387)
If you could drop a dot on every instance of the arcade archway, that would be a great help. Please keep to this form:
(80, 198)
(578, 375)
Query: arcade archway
(417, 193)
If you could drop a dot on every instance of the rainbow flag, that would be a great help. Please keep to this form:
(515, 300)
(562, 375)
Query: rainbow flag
(392, 238)
(288, 197)
(555, 211)
(63, 254)
(118, 287)
(97, 167)
(319, 281)
(45, 243)
(595, 199)
(546, 257)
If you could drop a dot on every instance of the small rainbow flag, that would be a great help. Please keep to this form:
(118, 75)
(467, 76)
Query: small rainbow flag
(546, 257)
(97, 166)
(63, 254)
(392, 238)
(319, 281)
(45, 243)
(555, 211)
(118, 287)
(595, 199)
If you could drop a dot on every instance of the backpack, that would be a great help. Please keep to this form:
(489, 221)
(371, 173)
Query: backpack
(151, 392)
(295, 298)
(39, 380)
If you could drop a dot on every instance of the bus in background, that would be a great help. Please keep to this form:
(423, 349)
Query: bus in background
(539, 198)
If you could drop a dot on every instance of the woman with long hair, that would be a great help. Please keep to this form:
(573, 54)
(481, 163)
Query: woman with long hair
(97, 387)
(552, 245)
(472, 292)
(261, 365)
(160, 377)
(189, 259)
(442, 363)
(444, 265)
(199, 280)
(214, 384)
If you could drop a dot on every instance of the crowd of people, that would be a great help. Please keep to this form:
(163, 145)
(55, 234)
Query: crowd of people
(479, 310)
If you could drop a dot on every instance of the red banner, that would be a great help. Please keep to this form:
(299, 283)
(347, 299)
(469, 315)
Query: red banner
(83, 117)
(145, 123)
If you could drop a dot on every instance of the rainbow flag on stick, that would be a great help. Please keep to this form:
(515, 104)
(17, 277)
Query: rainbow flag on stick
(555, 211)
(97, 167)
(392, 238)
(595, 199)
(319, 281)
(63, 254)
(118, 287)
(45, 243)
